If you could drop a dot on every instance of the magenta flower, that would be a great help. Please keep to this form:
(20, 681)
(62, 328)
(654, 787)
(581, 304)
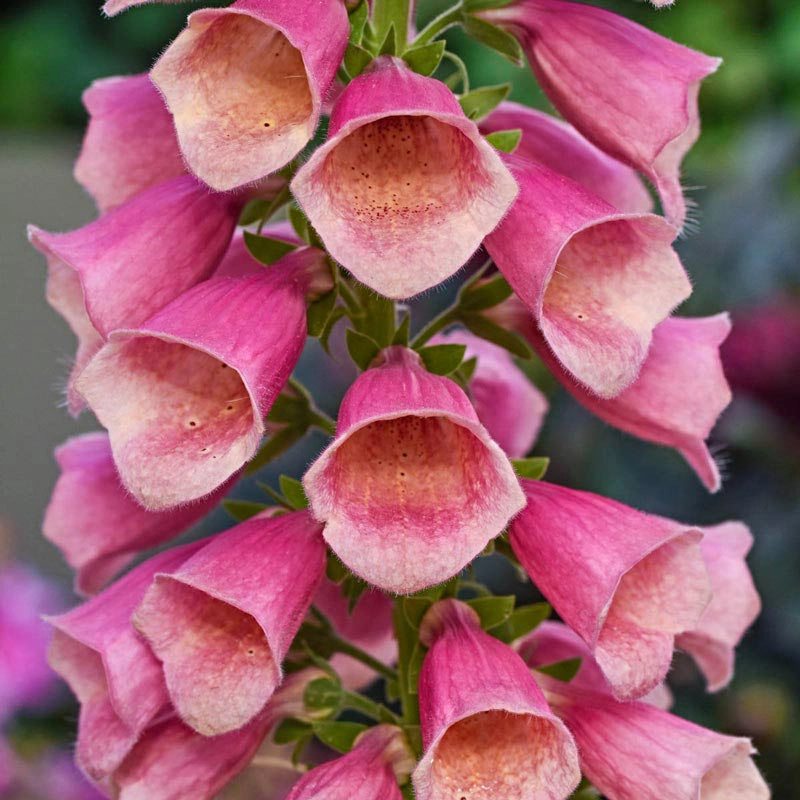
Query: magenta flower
(405, 188)
(245, 84)
(412, 487)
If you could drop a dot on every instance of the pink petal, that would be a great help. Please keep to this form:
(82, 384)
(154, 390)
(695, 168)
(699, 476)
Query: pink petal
(405, 188)
(627, 582)
(635, 97)
(679, 394)
(222, 630)
(130, 141)
(558, 146)
(734, 604)
(596, 280)
(412, 487)
(110, 669)
(96, 524)
(368, 772)
(487, 729)
(183, 396)
(245, 84)
(508, 405)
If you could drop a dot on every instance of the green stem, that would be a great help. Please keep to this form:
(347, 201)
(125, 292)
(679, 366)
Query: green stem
(438, 25)
(322, 421)
(377, 711)
(348, 649)
(447, 317)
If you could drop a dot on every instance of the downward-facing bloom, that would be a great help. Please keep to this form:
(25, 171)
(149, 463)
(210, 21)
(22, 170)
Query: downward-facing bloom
(508, 405)
(636, 751)
(111, 670)
(635, 97)
(120, 269)
(245, 84)
(486, 726)
(370, 771)
(558, 146)
(412, 487)
(97, 525)
(625, 581)
(734, 604)
(405, 188)
(596, 280)
(130, 141)
(184, 394)
(222, 622)
(678, 395)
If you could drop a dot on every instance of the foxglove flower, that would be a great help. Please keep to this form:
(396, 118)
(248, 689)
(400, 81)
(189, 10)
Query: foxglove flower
(596, 280)
(111, 670)
(245, 84)
(678, 395)
(130, 141)
(120, 269)
(221, 630)
(734, 605)
(486, 726)
(368, 626)
(405, 188)
(636, 751)
(625, 581)
(96, 524)
(558, 146)
(508, 405)
(412, 487)
(184, 394)
(370, 771)
(635, 98)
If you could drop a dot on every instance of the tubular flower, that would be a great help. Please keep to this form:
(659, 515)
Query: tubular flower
(245, 84)
(596, 280)
(120, 269)
(110, 669)
(221, 631)
(184, 395)
(635, 97)
(96, 524)
(370, 771)
(626, 581)
(412, 487)
(508, 405)
(130, 141)
(405, 188)
(486, 727)
(733, 607)
(636, 751)
(558, 146)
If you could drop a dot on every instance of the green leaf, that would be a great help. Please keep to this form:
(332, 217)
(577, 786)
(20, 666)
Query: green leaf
(319, 312)
(300, 223)
(334, 569)
(471, 6)
(414, 608)
(337, 314)
(496, 38)
(522, 621)
(467, 369)
(290, 409)
(293, 492)
(487, 294)
(358, 19)
(272, 494)
(253, 211)
(479, 102)
(277, 444)
(354, 587)
(407, 791)
(493, 611)
(505, 141)
(426, 59)
(442, 359)
(290, 730)
(266, 249)
(492, 332)
(533, 468)
(338, 735)
(356, 59)
(323, 694)
(391, 16)
(362, 348)
(401, 335)
(389, 46)
(241, 510)
(379, 319)
(414, 667)
(564, 670)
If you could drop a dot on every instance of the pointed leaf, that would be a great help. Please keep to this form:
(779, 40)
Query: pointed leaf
(362, 348)
(492, 332)
(496, 38)
(533, 468)
(266, 249)
(505, 141)
(358, 19)
(241, 510)
(356, 59)
(338, 735)
(493, 611)
(323, 694)
(564, 670)
(442, 359)
(293, 492)
(479, 102)
(334, 569)
(291, 730)
(277, 444)
(338, 313)
(522, 621)
(300, 223)
(401, 335)
(319, 312)
(389, 46)
(426, 59)
(486, 294)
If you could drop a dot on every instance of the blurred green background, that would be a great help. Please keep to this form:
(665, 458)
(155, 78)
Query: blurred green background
(743, 253)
